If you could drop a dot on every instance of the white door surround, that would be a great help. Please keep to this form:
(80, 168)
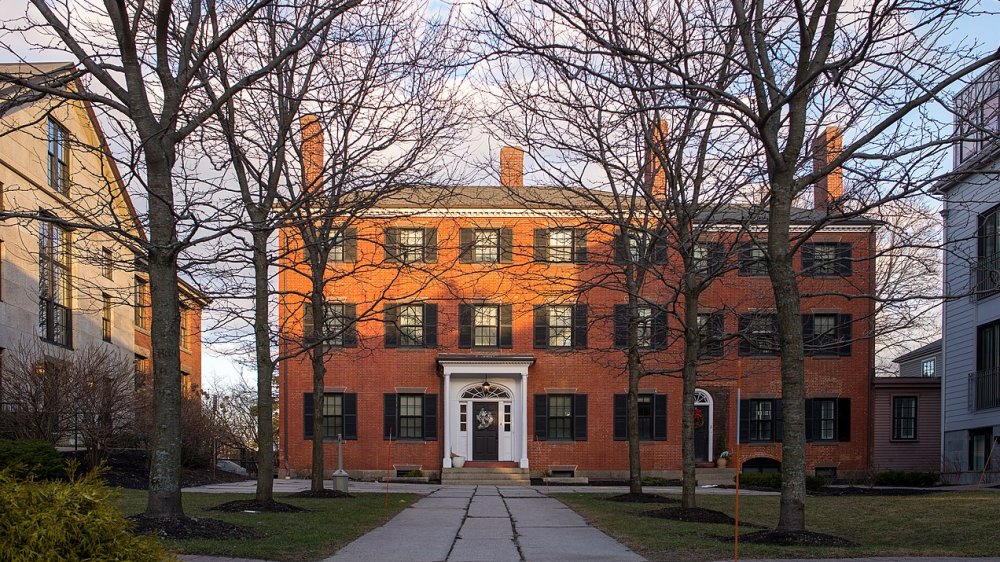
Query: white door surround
(703, 398)
(464, 375)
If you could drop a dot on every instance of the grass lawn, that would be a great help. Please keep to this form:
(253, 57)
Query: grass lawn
(327, 526)
(941, 524)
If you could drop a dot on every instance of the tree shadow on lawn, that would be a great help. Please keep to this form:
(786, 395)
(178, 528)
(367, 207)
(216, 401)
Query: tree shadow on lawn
(188, 528)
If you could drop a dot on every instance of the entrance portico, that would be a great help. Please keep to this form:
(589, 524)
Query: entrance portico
(485, 407)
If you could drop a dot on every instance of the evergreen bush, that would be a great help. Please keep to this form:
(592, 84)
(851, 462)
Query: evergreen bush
(26, 457)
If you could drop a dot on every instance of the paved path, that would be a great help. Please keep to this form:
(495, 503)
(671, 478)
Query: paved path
(485, 523)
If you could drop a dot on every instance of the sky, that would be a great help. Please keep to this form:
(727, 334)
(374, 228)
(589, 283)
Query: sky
(218, 368)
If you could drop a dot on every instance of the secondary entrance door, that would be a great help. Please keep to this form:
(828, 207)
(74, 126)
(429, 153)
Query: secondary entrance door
(485, 436)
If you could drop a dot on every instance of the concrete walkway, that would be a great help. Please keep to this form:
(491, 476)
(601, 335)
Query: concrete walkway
(485, 523)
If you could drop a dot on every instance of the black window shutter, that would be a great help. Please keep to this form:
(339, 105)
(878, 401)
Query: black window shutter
(716, 258)
(808, 329)
(779, 421)
(580, 245)
(541, 327)
(843, 419)
(389, 429)
(541, 417)
(621, 247)
(541, 244)
(392, 244)
(580, 417)
(506, 245)
(580, 325)
(844, 323)
(430, 417)
(621, 325)
(747, 265)
(350, 416)
(808, 260)
(466, 240)
(350, 244)
(307, 320)
(465, 325)
(430, 245)
(660, 248)
(659, 417)
(716, 328)
(659, 327)
(844, 264)
(430, 325)
(744, 421)
(391, 315)
(620, 418)
(307, 415)
(746, 347)
(810, 419)
(351, 329)
(506, 325)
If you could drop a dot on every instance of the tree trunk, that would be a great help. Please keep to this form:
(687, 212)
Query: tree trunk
(632, 410)
(164, 498)
(319, 375)
(265, 369)
(787, 304)
(689, 376)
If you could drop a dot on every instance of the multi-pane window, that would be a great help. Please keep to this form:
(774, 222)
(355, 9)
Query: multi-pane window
(336, 323)
(338, 417)
(411, 324)
(824, 330)
(463, 417)
(58, 166)
(411, 417)
(560, 416)
(827, 334)
(904, 417)
(752, 260)
(337, 248)
(141, 303)
(106, 317)
(142, 370)
(759, 334)
(486, 245)
(644, 326)
(560, 326)
(711, 330)
(652, 413)
(826, 259)
(826, 419)
(107, 263)
(761, 420)
(185, 328)
(701, 256)
(645, 416)
(485, 326)
(54, 314)
(928, 367)
(560, 245)
(988, 249)
(411, 245)
(333, 415)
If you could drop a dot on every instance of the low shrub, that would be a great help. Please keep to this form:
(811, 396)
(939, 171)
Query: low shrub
(24, 457)
(910, 478)
(773, 480)
(415, 473)
(60, 520)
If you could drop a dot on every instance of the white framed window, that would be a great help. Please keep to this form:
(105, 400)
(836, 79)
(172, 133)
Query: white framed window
(486, 245)
(928, 367)
(560, 245)
(486, 326)
(411, 245)
(560, 326)
(411, 325)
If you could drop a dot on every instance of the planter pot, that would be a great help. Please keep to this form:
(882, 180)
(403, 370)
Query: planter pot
(721, 462)
(458, 462)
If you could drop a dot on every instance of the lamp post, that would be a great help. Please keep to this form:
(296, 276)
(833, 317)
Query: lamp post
(340, 476)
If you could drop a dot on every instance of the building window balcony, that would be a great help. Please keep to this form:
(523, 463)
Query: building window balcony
(986, 277)
(984, 389)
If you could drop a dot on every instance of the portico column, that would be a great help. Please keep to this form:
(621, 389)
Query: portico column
(524, 420)
(446, 462)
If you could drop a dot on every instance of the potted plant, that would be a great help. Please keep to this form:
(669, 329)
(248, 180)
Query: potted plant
(457, 461)
(722, 458)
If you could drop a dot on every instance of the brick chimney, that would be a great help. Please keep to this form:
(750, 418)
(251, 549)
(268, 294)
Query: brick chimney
(827, 191)
(512, 166)
(655, 176)
(312, 150)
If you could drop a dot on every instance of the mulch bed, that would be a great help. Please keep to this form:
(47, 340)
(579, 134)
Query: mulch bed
(862, 491)
(642, 498)
(188, 528)
(239, 506)
(325, 493)
(696, 515)
(792, 538)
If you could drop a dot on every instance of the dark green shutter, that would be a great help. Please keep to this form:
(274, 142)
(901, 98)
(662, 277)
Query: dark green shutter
(747, 262)
(541, 339)
(744, 421)
(620, 417)
(779, 421)
(506, 326)
(659, 417)
(844, 262)
(541, 244)
(843, 419)
(465, 325)
(541, 417)
(506, 245)
(716, 258)
(808, 335)
(389, 429)
(307, 415)
(350, 244)
(811, 418)
(808, 259)
(307, 321)
(350, 406)
(746, 346)
(580, 326)
(660, 247)
(659, 327)
(621, 325)
(621, 247)
(391, 315)
(844, 336)
(392, 244)
(466, 241)
(430, 245)
(716, 330)
(430, 417)
(351, 328)
(579, 245)
(430, 325)
(580, 417)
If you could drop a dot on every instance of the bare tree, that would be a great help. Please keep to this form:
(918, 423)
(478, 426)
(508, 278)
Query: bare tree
(145, 60)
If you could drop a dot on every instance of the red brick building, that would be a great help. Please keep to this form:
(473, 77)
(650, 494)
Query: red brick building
(471, 334)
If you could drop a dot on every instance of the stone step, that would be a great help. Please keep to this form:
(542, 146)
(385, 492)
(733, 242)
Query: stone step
(486, 470)
(481, 476)
(487, 482)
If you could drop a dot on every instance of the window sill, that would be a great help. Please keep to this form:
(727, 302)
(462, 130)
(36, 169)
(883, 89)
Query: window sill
(824, 443)
(904, 441)
(411, 441)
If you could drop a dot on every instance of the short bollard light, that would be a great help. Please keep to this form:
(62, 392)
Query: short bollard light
(340, 475)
